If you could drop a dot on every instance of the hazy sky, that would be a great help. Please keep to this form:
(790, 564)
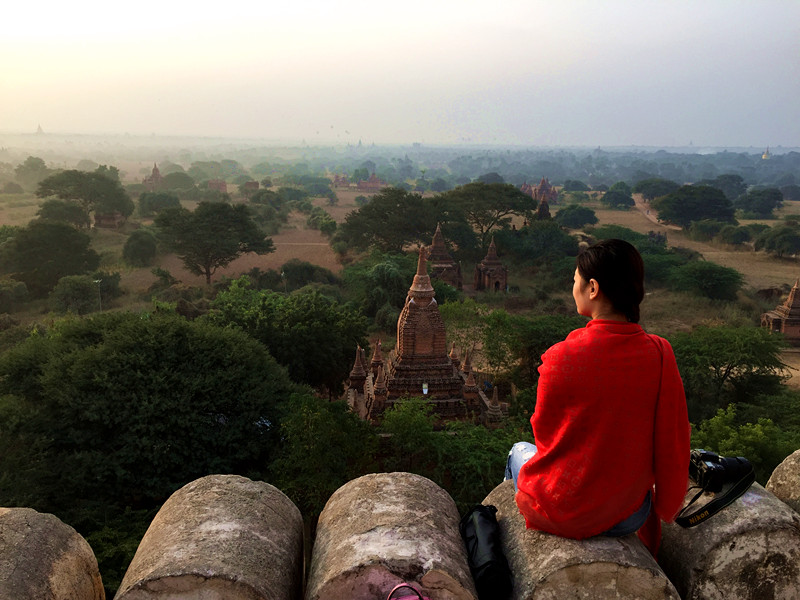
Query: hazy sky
(555, 72)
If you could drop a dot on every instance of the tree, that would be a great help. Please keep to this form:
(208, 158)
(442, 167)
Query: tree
(104, 417)
(693, 203)
(65, 212)
(11, 188)
(312, 335)
(212, 236)
(575, 216)
(720, 365)
(730, 184)
(91, 191)
(140, 248)
(177, 181)
(617, 199)
(760, 202)
(707, 279)
(488, 206)
(155, 202)
(324, 445)
(44, 252)
(655, 187)
(779, 241)
(77, 294)
(575, 185)
(490, 178)
(31, 172)
(392, 219)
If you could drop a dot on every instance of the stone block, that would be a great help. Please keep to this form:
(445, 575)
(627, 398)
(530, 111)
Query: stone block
(42, 558)
(220, 537)
(386, 528)
(785, 481)
(748, 550)
(547, 566)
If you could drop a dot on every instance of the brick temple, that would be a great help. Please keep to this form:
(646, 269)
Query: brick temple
(443, 267)
(785, 318)
(420, 366)
(490, 273)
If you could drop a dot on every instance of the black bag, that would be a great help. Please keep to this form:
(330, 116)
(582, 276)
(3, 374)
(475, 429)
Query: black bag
(487, 563)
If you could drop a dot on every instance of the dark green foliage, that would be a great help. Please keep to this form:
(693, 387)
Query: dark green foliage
(653, 188)
(705, 230)
(77, 294)
(297, 273)
(140, 248)
(575, 217)
(30, 172)
(729, 184)
(783, 240)
(490, 178)
(791, 192)
(736, 236)
(152, 203)
(212, 236)
(324, 445)
(574, 185)
(44, 252)
(391, 220)
(540, 242)
(759, 203)
(120, 410)
(312, 335)
(723, 365)
(64, 212)
(707, 279)
(694, 203)
(91, 191)
(617, 199)
(319, 219)
(380, 279)
(12, 295)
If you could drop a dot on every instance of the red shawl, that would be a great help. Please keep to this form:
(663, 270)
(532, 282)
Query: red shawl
(610, 423)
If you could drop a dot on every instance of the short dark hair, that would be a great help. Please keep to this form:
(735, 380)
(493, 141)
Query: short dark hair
(617, 266)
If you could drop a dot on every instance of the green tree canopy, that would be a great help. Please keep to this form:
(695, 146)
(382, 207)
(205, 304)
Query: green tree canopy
(64, 212)
(44, 252)
(760, 202)
(575, 216)
(720, 365)
(707, 279)
(488, 206)
(312, 335)
(140, 248)
(655, 187)
(155, 202)
(92, 191)
(779, 241)
(616, 198)
(693, 203)
(30, 172)
(392, 219)
(212, 236)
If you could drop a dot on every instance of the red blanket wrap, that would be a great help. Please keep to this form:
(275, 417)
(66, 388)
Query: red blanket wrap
(610, 424)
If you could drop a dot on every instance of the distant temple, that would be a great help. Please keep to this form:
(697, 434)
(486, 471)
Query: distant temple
(373, 184)
(490, 273)
(341, 181)
(443, 267)
(766, 155)
(785, 318)
(154, 180)
(218, 185)
(543, 191)
(420, 366)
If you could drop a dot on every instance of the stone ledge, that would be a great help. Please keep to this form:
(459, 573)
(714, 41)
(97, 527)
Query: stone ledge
(550, 567)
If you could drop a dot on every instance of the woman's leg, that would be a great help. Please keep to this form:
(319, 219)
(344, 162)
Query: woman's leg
(519, 454)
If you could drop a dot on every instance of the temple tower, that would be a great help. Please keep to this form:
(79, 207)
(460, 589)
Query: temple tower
(443, 267)
(785, 318)
(491, 274)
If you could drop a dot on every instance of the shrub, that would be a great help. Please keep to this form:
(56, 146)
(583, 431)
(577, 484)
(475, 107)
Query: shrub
(707, 279)
(77, 294)
(140, 248)
(12, 294)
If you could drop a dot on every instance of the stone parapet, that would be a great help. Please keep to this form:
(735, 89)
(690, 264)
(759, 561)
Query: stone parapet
(220, 537)
(748, 550)
(550, 567)
(42, 558)
(785, 481)
(386, 528)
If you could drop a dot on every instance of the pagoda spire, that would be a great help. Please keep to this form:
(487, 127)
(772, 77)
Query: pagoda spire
(421, 286)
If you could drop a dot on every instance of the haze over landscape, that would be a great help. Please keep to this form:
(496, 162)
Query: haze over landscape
(618, 73)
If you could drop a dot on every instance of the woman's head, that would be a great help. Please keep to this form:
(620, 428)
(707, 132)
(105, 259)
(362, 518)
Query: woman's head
(617, 268)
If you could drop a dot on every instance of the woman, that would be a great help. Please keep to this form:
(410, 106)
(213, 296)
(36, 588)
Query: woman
(610, 425)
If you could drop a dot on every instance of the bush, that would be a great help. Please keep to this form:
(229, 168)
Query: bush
(575, 217)
(140, 248)
(12, 295)
(705, 229)
(12, 188)
(707, 279)
(77, 294)
(150, 203)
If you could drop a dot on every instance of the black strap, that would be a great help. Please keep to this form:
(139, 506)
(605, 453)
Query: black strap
(717, 504)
